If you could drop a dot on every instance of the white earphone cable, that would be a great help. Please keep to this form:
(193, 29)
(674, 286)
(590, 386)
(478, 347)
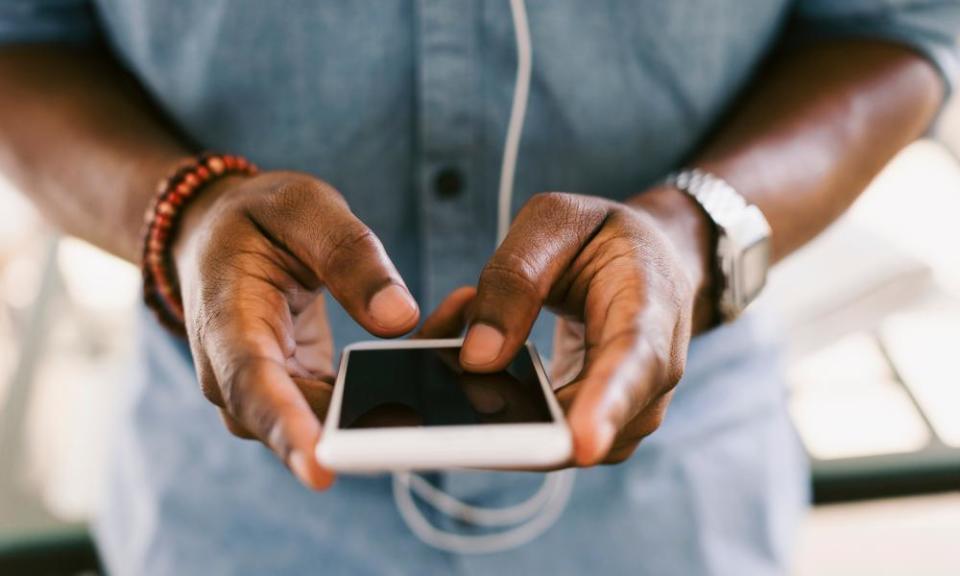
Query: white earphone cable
(479, 516)
(539, 512)
(518, 112)
(484, 543)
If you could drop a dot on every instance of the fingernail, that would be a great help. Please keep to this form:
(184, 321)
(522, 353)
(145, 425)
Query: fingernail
(482, 345)
(392, 307)
(593, 442)
(298, 464)
(301, 469)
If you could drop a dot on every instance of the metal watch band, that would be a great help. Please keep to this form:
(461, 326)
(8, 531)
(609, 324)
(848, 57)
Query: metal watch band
(717, 198)
(741, 228)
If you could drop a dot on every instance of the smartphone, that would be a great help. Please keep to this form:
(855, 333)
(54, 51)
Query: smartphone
(408, 405)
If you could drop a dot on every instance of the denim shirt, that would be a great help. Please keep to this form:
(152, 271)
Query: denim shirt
(402, 105)
(388, 102)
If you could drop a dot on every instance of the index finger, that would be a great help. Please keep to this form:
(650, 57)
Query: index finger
(621, 371)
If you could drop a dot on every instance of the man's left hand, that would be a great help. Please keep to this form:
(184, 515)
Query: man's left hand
(624, 280)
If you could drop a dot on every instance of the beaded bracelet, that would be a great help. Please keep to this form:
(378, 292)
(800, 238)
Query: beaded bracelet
(161, 290)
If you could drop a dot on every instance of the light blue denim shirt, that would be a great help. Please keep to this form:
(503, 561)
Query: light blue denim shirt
(403, 105)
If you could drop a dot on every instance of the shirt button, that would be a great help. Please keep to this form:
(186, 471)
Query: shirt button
(448, 182)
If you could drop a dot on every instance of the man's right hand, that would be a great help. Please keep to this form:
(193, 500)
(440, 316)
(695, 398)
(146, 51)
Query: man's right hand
(253, 256)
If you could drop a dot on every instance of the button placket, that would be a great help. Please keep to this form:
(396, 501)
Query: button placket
(447, 92)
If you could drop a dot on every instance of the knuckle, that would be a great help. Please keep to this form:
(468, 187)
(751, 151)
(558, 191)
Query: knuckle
(295, 198)
(235, 391)
(259, 419)
(273, 433)
(650, 420)
(669, 363)
(566, 211)
(210, 389)
(512, 272)
(676, 370)
(251, 405)
(234, 428)
(659, 367)
(641, 357)
(551, 201)
(665, 361)
(576, 217)
(348, 240)
(665, 378)
(651, 424)
(297, 190)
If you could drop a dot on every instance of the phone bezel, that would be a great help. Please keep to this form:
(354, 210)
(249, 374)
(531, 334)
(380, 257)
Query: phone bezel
(535, 444)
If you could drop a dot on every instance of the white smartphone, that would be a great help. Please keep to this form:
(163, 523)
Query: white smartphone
(408, 405)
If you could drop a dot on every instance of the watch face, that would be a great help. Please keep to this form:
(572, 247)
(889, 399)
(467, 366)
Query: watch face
(753, 268)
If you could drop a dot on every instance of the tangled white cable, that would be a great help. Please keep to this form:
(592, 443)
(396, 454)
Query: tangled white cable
(530, 518)
(552, 499)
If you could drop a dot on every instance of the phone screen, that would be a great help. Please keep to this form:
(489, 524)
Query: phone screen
(427, 387)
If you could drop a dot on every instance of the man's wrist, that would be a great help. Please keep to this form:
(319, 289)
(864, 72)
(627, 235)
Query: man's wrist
(194, 214)
(163, 220)
(694, 235)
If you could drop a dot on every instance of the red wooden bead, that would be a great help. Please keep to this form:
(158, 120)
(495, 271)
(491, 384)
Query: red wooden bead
(161, 289)
(216, 164)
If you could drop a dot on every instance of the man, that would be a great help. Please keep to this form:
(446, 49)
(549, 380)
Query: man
(379, 127)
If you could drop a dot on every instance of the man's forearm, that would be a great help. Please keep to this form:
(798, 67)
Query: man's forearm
(804, 141)
(82, 140)
(817, 127)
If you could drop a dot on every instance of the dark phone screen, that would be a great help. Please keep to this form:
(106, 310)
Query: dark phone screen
(427, 387)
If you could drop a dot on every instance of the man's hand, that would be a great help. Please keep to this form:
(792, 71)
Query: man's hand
(624, 280)
(252, 259)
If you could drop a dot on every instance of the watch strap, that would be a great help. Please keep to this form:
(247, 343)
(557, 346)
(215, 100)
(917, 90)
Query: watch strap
(727, 209)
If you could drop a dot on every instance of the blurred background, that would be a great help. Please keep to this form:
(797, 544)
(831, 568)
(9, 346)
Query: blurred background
(871, 312)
